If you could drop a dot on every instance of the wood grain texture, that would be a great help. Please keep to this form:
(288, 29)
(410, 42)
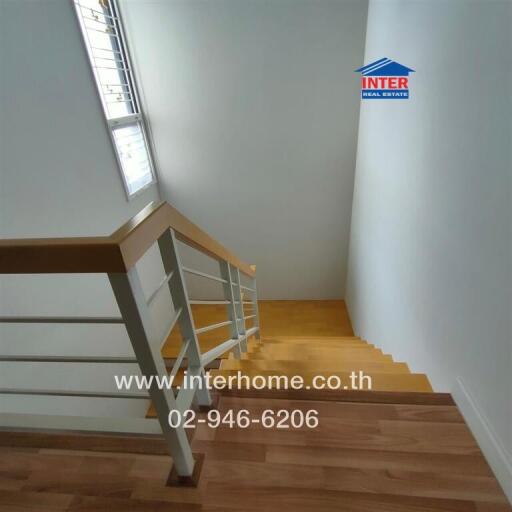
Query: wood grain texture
(374, 397)
(362, 457)
(77, 441)
(324, 345)
(139, 233)
(304, 318)
(402, 382)
(303, 321)
(312, 356)
(115, 253)
(327, 366)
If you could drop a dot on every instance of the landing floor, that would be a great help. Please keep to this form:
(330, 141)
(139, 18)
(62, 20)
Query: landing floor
(362, 457)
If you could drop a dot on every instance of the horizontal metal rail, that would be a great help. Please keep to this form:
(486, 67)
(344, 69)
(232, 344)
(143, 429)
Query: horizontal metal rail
(203, 274)
(216, 352)
(117, 255)
(68, 359)
(160, 287)
(9, 421)
(61, 320)
(77, 394)
(211, 327)
(251, 331)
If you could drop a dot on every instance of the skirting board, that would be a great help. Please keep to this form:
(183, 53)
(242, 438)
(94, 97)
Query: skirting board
(495, 453)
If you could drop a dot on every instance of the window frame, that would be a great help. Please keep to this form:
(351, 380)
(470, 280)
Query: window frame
(128, 120)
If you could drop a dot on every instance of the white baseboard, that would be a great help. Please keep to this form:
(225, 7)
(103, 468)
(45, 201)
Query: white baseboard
(495, 453)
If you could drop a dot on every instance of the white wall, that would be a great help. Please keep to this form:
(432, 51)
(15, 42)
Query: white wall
(430, 276)
(58, 177)
(254, 108)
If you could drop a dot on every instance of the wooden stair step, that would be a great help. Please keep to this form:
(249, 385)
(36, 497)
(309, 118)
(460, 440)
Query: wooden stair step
(319, 359)
(298, 339)
(310, 346)
(315, 343)
(293, 339)
(347, 396)
(269, 347)
(380, 381)
(321, 355)
(300, 366)
(305, 352)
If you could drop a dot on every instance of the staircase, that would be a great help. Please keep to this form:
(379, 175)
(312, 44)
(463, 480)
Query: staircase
(385, 441)
(335, 357)
(326, 357)
(305, 338)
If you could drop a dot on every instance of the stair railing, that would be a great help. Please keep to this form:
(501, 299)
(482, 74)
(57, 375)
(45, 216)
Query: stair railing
(116, 256)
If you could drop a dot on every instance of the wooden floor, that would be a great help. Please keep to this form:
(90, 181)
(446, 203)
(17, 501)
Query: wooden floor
(390, 450)
(362, 457)
(277, 318)
(304, 318)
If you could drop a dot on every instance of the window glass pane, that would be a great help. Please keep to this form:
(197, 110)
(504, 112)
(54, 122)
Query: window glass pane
(131, 148)
(101, 34)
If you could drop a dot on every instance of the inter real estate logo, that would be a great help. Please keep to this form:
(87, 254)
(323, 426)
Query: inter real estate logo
(384, 79)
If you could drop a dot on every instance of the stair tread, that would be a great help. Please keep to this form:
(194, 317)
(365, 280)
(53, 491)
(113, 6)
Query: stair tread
(270, 347)
(380, 381)
(316, 343)
(309, 356)
(314, 348)
(299, 338)
(321, 356)
(299, 366)
(274, 345)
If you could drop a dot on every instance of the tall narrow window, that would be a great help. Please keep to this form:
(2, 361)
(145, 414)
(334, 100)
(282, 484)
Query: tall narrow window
(103, 35)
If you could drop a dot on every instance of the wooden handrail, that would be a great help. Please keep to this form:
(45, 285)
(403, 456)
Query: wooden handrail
(115, 253)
